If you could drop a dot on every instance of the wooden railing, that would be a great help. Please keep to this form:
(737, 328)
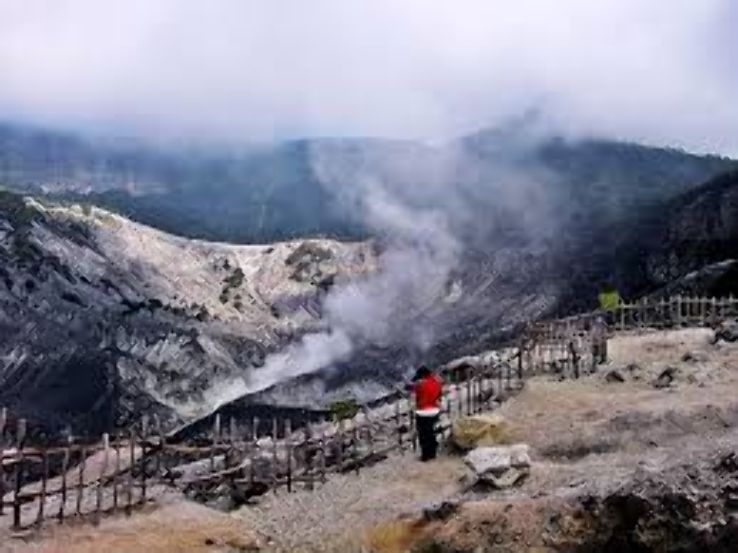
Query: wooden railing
(673, 312)
(75, 480)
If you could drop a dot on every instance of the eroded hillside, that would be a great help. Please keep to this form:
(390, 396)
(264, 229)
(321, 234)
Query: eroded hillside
(103, 319)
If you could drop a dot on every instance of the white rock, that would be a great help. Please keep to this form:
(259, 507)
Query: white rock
(499, 466)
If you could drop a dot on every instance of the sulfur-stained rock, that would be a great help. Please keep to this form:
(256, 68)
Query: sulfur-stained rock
(480, 430)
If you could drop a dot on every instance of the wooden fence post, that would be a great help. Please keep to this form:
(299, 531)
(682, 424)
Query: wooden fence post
(450, 406)
(117, 470)
(3, 422)
(214, 440)
(322, 457)
(411, 424)
(158, 449)
(468, 374)
(459, 395)
(144, 427)
(520, 362)
(370, 432)
(275, 457)
(255, 429)
(3, 419)
(311, 454)
(21, 430)
(143, 471)
(101, 479)
(341, 442)
(288, 440)
(398, 424)
(499, 380)
(18, 473)
(131, 467)
(81, 479)
(44, 481)
(289, 465)
(355, 444)
(64, 469)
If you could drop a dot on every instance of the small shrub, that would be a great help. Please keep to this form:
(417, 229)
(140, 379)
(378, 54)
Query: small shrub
(345, 409)
(235, 279)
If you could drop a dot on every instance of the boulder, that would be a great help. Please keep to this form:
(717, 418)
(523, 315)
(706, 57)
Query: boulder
(480, 430)
(614, 376)
(694, 357)
(665, 378)
(500, 467)
(727, 331)
(440, 511)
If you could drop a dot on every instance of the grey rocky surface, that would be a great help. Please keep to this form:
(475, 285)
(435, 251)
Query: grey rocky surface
(500, 467)
(103, 320)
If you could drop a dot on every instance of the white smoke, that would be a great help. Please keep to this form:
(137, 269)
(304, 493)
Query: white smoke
(419, 254)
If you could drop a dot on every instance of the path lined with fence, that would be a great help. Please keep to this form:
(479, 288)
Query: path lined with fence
(117, 474)
(70, 480)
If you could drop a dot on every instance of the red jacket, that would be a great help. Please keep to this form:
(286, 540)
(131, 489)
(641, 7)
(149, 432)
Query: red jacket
(428, 393)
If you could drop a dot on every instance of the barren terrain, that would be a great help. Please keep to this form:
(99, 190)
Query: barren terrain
(591, 440)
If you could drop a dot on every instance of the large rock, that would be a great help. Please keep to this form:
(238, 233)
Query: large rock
(500, 467)
(727, 331)
(480, 430)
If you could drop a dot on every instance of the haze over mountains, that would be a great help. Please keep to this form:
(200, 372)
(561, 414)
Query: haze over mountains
(300, 188)
(461, 242)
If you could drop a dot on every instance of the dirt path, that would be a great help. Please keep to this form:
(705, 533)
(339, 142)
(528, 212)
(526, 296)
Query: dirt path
(176, 526)
(348, 505)
(591, 437)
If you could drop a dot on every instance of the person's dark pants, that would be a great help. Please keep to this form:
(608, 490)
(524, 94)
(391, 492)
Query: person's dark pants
(427, 436)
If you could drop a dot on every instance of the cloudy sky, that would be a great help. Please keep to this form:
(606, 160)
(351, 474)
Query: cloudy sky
(658, 71)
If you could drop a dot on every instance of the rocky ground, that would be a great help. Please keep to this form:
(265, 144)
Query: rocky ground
(638, 462)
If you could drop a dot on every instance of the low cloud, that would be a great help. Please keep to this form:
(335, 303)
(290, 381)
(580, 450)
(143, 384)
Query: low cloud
(424, 213)
(243, 70)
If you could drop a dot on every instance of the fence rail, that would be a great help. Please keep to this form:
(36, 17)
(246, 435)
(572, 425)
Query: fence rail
(672, 312)
(82, 480)
(116, 474)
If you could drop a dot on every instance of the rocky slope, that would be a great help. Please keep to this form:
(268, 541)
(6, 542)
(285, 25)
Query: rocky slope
(102, 319)
(105, 316)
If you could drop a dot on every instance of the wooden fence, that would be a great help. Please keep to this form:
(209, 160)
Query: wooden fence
(76, 480)
(673, 312)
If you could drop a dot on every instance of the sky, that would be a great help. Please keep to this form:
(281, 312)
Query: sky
(244, 70)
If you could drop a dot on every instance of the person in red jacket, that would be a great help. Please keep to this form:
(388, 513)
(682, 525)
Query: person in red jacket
(428, 390)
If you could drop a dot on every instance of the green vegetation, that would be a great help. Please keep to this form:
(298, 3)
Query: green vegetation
(235, 279)
(232, 282)
(609, 298)
(15, 208)
(345, 409)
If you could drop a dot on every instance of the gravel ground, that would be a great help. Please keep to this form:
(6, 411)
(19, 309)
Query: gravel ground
(348, 504)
